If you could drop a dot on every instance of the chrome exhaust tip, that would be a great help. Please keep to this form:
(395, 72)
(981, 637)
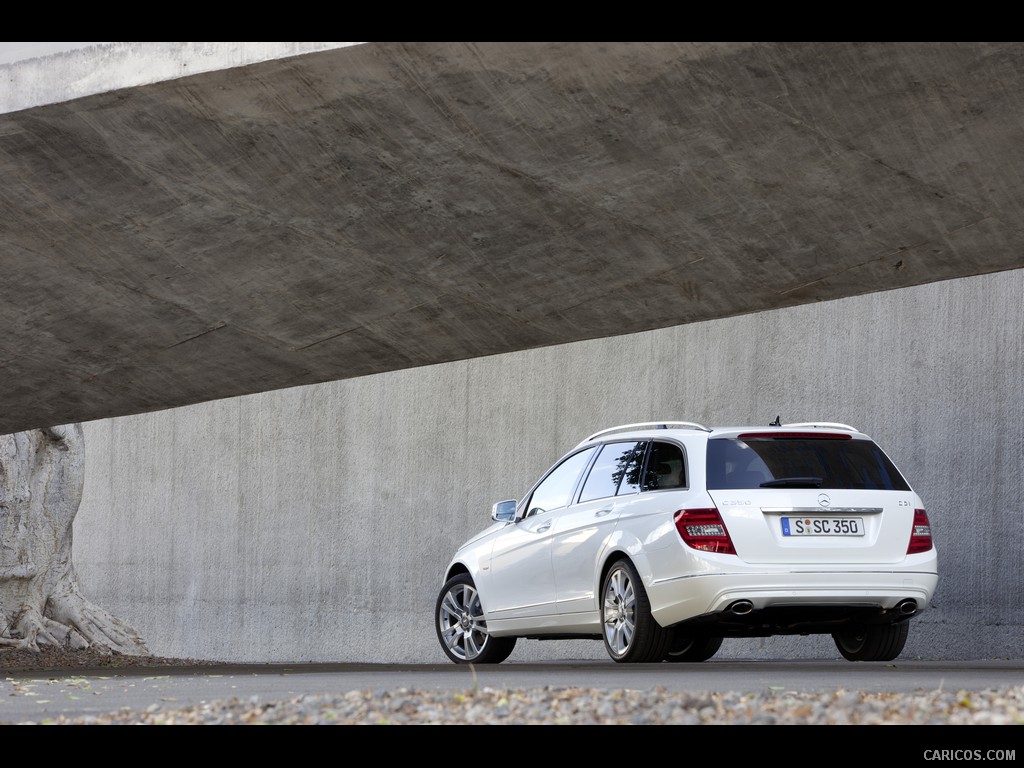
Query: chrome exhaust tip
(907, 607)
(741, 607)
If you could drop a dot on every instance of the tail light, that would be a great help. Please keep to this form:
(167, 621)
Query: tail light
(703, 529)
(920, 534)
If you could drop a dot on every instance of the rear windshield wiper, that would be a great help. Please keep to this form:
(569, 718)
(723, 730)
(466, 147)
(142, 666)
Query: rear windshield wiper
(793, 482)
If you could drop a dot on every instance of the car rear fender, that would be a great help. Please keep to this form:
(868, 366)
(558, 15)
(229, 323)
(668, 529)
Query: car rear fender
(622, 545)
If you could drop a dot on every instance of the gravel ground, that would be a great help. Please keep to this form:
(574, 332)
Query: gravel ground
(542, 706)
(581, 706)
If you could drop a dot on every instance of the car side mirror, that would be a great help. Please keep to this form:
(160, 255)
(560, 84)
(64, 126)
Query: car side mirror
(504, 511)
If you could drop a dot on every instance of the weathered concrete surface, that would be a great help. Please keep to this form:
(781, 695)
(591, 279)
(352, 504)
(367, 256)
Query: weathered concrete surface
(87, 69)
(391, 205)
(313, 523)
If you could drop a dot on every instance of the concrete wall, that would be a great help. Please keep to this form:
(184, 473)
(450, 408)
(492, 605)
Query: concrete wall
(60, 76)
(314, 523)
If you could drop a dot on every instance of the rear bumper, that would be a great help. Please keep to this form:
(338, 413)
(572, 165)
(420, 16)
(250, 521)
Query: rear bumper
(805, 602)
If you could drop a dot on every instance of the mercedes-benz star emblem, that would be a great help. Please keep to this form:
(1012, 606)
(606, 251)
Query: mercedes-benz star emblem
(823, 500)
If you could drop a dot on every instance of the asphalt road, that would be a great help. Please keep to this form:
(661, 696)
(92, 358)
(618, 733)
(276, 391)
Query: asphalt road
(36, 697)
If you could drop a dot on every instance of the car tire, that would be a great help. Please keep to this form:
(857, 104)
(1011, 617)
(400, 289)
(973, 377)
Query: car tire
(692, 648)
(872, 642)
(631, 635)
(461, 629)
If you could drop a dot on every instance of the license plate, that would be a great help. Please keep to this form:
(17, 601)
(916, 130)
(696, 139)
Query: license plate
(822, 526)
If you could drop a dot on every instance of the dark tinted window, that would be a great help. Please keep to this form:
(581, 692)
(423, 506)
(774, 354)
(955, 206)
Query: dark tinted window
(837, 463)
(616, 471)
(665, 467)
(556, 489)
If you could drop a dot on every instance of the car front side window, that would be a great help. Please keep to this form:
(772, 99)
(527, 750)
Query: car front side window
(555, 491)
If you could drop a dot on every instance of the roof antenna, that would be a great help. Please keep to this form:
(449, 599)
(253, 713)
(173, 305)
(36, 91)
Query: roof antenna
(776, 423)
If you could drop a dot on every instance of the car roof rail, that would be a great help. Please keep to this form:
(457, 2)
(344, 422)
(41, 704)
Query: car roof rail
(648, 425)
(824, 424)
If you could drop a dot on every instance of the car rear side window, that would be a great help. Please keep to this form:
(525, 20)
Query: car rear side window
(800, 462)
(665, 467)
(616, 471)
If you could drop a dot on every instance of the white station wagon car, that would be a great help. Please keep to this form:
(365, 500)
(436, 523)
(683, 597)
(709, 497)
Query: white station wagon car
(661, 539)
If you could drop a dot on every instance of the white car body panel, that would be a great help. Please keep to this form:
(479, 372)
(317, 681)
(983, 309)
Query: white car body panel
(580, 537)
(523, 552)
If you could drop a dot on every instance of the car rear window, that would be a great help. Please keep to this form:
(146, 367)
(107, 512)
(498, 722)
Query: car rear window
(800, 462)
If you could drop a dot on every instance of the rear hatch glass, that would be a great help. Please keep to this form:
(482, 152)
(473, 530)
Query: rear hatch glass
(818, 462)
